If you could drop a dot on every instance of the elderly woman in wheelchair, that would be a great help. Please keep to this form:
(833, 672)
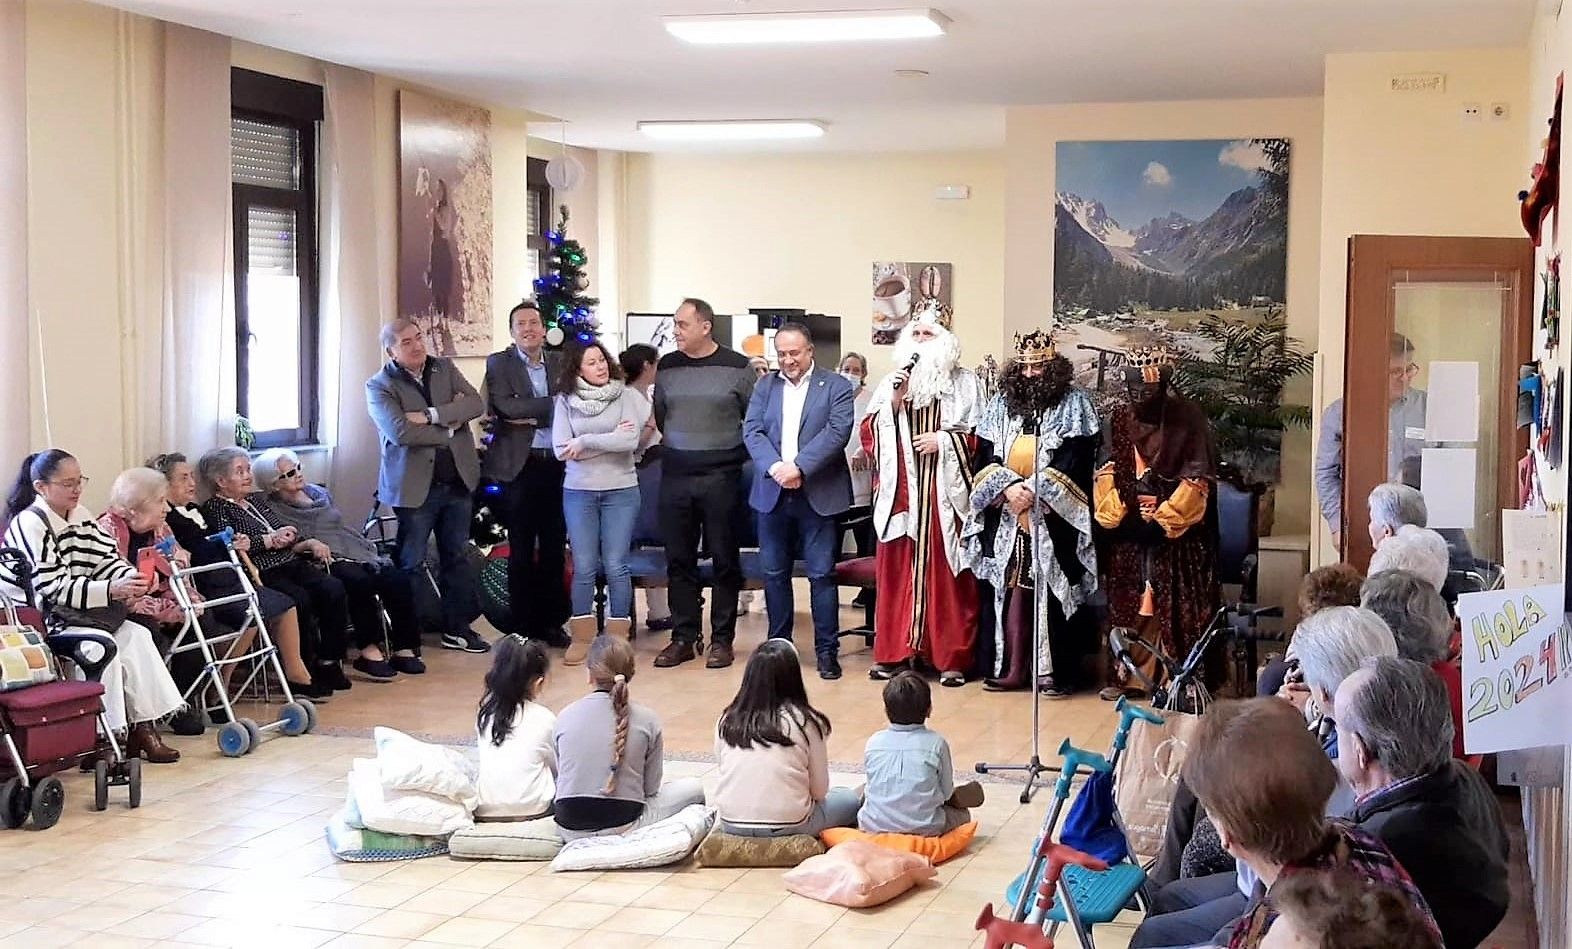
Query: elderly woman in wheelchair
(83, 584)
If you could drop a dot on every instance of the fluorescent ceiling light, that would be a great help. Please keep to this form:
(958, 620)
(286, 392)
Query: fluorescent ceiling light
(824, 27)
(732, 130)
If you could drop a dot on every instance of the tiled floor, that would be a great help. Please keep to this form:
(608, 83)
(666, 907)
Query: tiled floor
(229, 852)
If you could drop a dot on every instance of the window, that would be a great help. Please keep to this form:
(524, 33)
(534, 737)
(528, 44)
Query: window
(273, 149)
(542, 216)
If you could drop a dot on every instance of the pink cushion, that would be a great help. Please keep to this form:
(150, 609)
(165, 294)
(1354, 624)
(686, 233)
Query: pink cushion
(857, 874)
(855, 573)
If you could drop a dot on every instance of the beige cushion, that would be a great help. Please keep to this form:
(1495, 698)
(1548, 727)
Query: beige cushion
(858, 873)
(507, 840)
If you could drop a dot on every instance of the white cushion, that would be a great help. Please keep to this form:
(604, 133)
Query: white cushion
(409, 764)
(507, 840)
(657, 845)
(402, 812)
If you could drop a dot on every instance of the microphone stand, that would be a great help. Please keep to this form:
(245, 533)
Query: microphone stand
(1033, 768)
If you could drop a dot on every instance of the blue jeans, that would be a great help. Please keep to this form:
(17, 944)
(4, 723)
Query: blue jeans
(446, 512)
(600, 531)
(838, 809)
(795, 523)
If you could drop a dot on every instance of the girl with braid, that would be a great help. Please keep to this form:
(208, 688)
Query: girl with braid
(609, 767)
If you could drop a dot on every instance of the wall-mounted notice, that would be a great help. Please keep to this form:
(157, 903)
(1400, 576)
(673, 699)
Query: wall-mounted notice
(1446, 476)
(1452, 403)
(1530, 547)
(1517, 669)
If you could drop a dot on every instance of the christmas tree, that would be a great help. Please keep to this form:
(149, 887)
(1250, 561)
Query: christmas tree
(560, 291)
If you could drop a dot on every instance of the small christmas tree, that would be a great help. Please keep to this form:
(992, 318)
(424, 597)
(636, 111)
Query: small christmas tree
(560, 291)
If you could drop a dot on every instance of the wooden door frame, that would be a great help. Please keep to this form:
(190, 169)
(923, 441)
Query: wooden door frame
(1369, 324)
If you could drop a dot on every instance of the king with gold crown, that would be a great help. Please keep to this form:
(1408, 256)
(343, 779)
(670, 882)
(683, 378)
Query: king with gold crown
(1029, 529)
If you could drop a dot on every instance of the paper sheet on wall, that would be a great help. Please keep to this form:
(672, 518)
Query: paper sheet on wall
(1446, 476)
(1517, 683)
(1452, 402)
(1530, 548)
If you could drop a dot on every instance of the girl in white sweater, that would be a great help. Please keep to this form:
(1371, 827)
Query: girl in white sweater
(518, 763)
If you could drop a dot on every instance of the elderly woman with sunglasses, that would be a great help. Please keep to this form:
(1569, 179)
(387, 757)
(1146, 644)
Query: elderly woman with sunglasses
(365, 573)
(282, 557)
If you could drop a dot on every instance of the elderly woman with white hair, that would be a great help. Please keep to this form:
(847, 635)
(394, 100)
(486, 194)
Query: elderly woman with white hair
(1416, 549)
(282, 558)
(1423, 629)
(1392, 505)
(365, 573)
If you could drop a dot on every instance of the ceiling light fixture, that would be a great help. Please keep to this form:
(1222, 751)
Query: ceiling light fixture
(832, 26)
(745, 130)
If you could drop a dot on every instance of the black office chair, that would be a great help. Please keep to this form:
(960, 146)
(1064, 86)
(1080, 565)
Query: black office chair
(1238, 557)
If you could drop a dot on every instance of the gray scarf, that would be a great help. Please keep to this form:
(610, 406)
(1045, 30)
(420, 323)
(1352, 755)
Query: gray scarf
(592, 400)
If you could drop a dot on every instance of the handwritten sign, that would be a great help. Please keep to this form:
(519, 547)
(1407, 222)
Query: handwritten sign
(1517, 669)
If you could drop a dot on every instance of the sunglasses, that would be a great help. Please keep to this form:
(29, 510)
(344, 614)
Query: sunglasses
(291, 472)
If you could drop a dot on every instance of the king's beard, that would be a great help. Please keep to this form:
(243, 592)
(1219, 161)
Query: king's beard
(933, 376)
(1031, 396)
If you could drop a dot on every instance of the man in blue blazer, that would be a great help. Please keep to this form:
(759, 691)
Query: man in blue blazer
(797, 427)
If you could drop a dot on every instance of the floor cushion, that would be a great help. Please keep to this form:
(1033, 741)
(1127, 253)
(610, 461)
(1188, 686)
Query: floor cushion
(406, 763)
(657, 845)
(358, 845)
(936, 849)
(402, 812)
(728, 850)
(858, 874)
(507, 840)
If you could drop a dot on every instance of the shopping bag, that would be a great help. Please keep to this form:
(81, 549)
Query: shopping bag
(1148, 774)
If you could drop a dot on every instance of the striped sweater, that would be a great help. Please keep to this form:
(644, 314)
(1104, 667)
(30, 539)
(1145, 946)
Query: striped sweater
(74, 559)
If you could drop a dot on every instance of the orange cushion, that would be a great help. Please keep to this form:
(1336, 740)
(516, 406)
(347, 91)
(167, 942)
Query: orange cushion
(936, 849)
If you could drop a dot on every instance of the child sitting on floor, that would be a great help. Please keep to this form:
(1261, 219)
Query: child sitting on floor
(911, 787)
(609, 766)
(771, 755)
(518, 763)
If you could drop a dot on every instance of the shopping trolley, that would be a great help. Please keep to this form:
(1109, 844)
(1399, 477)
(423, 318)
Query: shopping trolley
(237, 736)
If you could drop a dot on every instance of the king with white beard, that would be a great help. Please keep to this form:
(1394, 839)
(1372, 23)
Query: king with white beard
(918, 431)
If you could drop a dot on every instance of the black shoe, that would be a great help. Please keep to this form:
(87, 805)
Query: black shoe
(468, 640)
(883, 673)
(556, 637)
(861, 599)
(676, 653)
(187, 722)
(313, 690)
(378, 670)
(659, 624)
(331, 674)
(218, 717)
(408, 665)
(829, 668)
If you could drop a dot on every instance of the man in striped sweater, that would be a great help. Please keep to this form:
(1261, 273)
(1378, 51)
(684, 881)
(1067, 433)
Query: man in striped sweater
(700, 401)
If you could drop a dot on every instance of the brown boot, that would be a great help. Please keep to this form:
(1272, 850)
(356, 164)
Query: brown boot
(144, 742)
(582, 631)
(620, 627)
(676, 653)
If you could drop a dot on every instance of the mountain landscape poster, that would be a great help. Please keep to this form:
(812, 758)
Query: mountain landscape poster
(1150, 238)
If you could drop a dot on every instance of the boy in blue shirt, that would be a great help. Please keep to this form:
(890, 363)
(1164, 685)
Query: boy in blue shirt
(911, 786)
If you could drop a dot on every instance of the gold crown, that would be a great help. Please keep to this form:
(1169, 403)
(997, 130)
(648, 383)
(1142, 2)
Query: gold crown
(1034, 348)
(933, 310)
(1159, 355)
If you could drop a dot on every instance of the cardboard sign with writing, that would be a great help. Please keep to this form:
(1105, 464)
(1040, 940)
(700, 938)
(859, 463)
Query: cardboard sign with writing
(1517, 669)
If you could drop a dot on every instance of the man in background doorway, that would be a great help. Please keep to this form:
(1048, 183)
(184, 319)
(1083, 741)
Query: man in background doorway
(700, 403)
(1405, 434)
(520, 458)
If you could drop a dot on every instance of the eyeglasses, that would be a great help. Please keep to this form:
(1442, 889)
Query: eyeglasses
(291, 472)
(1400, 372)
(72, 485)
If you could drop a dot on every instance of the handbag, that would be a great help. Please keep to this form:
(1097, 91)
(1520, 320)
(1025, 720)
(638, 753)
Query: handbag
(105, 618)
(1147, 776)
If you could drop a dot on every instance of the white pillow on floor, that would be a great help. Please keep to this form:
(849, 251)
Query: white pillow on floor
(657, 845)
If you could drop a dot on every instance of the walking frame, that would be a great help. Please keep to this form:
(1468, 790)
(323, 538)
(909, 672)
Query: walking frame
(238, 735)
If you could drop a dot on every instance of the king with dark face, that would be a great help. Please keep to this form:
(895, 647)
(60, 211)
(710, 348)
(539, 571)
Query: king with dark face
(1148, 375)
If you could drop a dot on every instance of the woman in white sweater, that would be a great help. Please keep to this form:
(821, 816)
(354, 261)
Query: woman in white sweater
(773, 761)
(596, 430)
(518, 763)
(84, 586)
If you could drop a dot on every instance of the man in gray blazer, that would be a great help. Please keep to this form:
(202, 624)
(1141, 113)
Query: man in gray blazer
(521, 388)
(422, 406)
(799, 421)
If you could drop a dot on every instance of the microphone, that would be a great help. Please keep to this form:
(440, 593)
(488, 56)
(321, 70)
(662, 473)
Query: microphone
(911, 363)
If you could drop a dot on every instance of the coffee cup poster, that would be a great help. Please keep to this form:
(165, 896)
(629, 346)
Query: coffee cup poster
(897, 290)
(1152, 237)
(444, 246)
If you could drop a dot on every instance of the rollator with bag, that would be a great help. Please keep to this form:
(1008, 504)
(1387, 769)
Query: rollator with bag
(237, 736)
(49, 723)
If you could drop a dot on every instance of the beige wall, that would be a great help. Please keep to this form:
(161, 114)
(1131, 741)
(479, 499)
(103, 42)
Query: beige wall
(804, 231)
(94, 198)
(1408, 164)
(1032, 134)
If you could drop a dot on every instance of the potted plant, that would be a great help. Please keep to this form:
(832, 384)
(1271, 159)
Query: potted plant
(1239, 384)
